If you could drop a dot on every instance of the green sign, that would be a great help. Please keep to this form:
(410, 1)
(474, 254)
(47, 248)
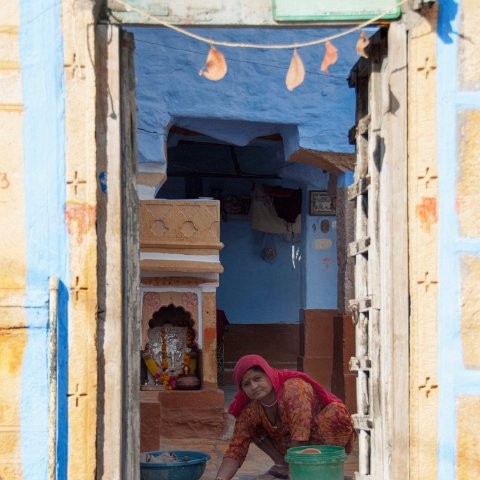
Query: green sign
(333, 10)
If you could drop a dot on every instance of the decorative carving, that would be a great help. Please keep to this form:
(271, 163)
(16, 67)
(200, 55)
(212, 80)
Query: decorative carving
(177, 281)
(75, 65)
(427, 282)
(188, 229)
(159, 228)
(77, 395)
(77, 288)
(427, 387)
(180, 223)
(427, 177)
(153, 301)
(75, 182)
(427, 67)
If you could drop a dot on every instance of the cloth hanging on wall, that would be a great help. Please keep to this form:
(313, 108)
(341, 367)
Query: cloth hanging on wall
(268, 202)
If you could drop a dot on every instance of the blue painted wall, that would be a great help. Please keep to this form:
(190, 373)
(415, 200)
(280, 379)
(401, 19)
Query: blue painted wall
(316, 115)
(321, 268)
(41, 51)
(250, 101)
(251, 289)
(454, 378)
(302, 276)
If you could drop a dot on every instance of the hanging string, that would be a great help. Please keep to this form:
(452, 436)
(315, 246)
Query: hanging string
(210, 41)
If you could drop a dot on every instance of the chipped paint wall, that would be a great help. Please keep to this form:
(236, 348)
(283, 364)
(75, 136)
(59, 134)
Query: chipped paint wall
(41, 49)
(46, 231)
(169, 90)
(14, 336)
(33, 242)
(459, 239)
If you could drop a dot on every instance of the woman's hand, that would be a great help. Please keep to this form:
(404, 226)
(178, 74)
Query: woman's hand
(227, 469)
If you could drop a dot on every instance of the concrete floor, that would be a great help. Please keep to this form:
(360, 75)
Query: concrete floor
(256, 463)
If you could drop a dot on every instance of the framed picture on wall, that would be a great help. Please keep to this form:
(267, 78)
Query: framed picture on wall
(321, 203)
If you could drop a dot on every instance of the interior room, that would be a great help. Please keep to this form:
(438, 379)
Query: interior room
(242, 187)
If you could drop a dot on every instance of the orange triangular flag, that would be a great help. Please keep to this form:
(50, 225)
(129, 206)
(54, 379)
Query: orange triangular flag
(216, 66)
(330, 57)
(362, 43)
(296, 72)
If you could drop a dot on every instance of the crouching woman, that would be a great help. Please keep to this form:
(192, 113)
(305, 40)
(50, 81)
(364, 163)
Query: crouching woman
(279, 409)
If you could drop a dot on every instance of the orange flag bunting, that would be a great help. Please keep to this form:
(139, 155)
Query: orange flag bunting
(216, 67)
(362, 43)
(296, 72)
(330, 57)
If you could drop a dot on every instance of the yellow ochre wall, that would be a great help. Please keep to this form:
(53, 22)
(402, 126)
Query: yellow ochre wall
(423, 246)
(444, 242)
(80, 206)
(12, 242)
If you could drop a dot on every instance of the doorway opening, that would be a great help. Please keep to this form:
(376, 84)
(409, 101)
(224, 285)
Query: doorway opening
(311, 148)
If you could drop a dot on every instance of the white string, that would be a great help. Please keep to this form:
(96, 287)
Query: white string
(210, 41)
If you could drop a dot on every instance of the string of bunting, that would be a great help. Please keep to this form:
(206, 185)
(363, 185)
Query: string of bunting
(216, 66)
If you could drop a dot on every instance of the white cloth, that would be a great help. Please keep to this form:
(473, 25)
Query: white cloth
(264, 217)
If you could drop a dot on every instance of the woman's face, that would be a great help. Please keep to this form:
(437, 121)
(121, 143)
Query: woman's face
(256, 384)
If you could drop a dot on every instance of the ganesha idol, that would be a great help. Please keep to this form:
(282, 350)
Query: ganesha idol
(171, 353)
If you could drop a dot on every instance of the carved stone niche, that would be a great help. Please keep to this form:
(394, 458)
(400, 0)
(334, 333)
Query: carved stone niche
(154, 300)
(170, 318)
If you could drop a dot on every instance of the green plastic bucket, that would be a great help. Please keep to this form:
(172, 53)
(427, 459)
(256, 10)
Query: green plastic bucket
(326, 465)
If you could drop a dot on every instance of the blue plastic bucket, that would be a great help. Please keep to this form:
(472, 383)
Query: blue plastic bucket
(190, 470)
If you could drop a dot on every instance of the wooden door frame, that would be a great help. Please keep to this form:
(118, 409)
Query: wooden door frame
(395, 339)
(118, 421)
(382, 294)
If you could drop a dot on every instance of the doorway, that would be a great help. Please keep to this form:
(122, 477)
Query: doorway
(360, 426)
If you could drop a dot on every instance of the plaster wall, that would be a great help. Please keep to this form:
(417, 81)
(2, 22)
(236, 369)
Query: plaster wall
(35, 244)
(198, 12)
(459, 239)
(14, 337)
(423, 248)
(169, 90)
(76, 61)
(253, 291)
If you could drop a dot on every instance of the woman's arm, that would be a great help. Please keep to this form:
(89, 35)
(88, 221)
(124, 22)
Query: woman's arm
(237, 450)
(227, 469)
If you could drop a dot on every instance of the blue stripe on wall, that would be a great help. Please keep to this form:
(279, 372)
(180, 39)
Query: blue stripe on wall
(454, 379)
(41, 51)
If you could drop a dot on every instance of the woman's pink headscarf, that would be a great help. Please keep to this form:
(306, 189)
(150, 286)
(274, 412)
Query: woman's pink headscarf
(277, 377)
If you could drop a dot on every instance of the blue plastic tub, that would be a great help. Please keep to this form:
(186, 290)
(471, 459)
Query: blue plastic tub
(191, 470)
